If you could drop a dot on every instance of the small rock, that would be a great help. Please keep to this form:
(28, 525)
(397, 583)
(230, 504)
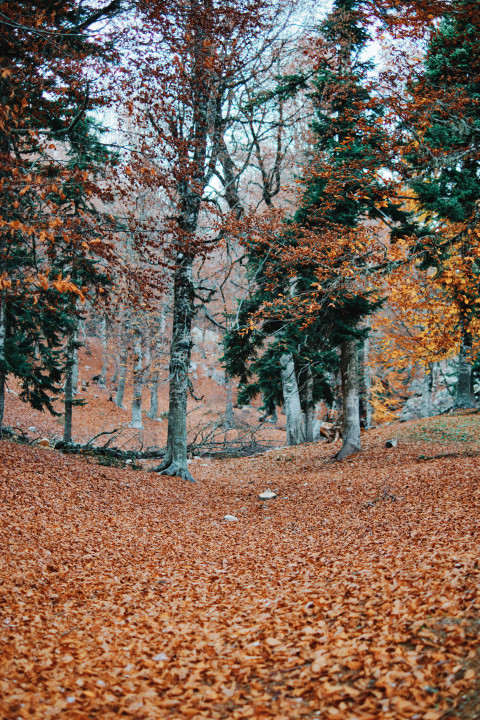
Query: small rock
(230, 518)
(128, 462)
(391, 443)
(267, 495)
(32, 429)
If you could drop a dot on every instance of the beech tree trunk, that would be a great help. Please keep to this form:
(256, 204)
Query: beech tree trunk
(291, 401)
(3, 336)
(367, 379)
(103, 335)
(175, 462)
(465, 397)
(154, 376)
(137, 383)
(309, 406)
(351, 403)
(67, 427)
(122, 374)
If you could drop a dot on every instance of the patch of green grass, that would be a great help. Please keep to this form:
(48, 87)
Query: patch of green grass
(444, 430)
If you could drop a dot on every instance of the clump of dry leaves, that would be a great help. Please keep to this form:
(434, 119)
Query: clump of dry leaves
(353, 594)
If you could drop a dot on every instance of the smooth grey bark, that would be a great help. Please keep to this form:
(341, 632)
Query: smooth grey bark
(122, 374)
(153, 410)
(427, 389)
(154, 376)
(68, 390)
(367, 379)
(175, 461)
(3, 335)
(103, 336)
(273, 417)
(351, 400)
(309, 406)
(464, 397)
(291, 401)
(137, 383)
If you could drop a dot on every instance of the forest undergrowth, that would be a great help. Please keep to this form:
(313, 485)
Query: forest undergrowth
(352, 594)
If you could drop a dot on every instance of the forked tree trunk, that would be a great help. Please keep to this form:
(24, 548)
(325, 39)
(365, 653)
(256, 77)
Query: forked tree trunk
(350, 395)
(465, 397)
(309, 406)
(291, 401)
(70, 351)
(175, 462)
(103, 335)
(137, 383)
(3, 337)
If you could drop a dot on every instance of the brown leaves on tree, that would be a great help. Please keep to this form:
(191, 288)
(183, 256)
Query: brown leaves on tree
(353, 594)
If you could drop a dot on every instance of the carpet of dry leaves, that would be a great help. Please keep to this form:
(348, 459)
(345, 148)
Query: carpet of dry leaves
(353, 594)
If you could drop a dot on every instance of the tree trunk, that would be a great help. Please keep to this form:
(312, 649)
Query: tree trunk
(367, 380)
(103, 335)
(175, 462)
(350, 394)
(137, 383)
(153, 411)
(122, 374)
(154, 376)
(291, 401)
(464, 396)
(427, 388)
(67, 427)
(3, 336)
(309, 406)
(229, 420)
(75, 364)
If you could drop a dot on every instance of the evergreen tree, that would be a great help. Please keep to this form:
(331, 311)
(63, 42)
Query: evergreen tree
(328, 247)
(445, 160)
(46, 51)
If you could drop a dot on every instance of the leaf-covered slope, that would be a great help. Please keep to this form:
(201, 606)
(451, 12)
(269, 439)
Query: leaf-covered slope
(354, 594)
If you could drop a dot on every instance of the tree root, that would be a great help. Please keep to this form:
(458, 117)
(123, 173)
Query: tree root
(346, 450)
(173, 469)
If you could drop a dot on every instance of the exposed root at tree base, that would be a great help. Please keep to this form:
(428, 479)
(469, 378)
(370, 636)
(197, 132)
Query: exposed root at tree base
(346, 450)
(173, 469)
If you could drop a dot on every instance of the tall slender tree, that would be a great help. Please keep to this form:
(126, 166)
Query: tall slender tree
(199, 52)
(45, 93)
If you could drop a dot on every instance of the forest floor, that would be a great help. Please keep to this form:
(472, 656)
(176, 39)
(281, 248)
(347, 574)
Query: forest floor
(353, 594)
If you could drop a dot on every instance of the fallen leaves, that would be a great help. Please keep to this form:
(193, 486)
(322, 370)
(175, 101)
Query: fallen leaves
(135, 599)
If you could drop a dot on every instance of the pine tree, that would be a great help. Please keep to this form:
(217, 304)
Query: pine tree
(328, 247)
